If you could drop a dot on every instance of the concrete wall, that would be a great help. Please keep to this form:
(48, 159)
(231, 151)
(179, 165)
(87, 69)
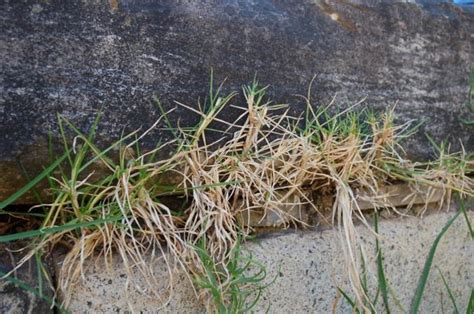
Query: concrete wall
(309, 266)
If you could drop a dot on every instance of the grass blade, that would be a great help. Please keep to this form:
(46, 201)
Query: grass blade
(25, 286)
(349, 300)
(416, 301)
(380, 268)
(450, 293)
(33, 182)
(470, 305)
(462, 207)
(65, 227)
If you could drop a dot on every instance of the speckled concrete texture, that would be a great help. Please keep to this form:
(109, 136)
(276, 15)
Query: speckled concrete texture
(309, 266)
(106, 291)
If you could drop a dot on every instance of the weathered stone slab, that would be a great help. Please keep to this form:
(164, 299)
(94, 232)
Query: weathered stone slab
(296, 210)
(309, 267)
(76, 58)
(400, 195)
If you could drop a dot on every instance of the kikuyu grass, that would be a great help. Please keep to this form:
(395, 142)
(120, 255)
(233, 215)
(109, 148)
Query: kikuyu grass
(265, 161)
(230, 289)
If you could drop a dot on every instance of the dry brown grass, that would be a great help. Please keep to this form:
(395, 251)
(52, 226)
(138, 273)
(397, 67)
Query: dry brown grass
(270, 161)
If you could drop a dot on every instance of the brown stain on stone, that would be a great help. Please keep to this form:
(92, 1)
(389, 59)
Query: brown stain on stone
(336, 16)
(13, 180)
(34, 158)
(113, 4)
(17, 172)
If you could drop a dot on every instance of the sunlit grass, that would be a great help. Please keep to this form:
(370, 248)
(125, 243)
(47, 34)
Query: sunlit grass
(265, 161)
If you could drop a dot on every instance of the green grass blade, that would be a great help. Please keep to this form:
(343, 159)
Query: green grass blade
(462, 207)
(416, 301)
(33, 182)
(349, 300)
(25, 286)
(64, 138)
(35, 192)
(450, 293)
(101, 154)
(395, 299)
(164, 114)
(55, 229)
(39, 268)
(382, 281)
(470, 304)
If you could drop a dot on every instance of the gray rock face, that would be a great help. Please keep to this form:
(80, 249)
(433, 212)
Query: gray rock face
(77, 58)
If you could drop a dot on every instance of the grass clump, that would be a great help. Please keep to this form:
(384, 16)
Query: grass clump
(265, 162)
(230, 289)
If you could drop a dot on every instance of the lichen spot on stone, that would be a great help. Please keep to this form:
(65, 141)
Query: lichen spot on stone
(36, 9)
(334, 16)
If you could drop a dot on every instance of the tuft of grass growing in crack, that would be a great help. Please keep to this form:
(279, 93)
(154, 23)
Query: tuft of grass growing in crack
(235, 287)
(265, 162)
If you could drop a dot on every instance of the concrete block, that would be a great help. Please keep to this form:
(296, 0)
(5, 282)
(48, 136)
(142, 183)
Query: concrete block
(309, 266)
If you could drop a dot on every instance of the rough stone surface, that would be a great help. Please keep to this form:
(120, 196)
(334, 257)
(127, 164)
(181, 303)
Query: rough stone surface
(14, 299)
(76, 58)
(309, 266)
